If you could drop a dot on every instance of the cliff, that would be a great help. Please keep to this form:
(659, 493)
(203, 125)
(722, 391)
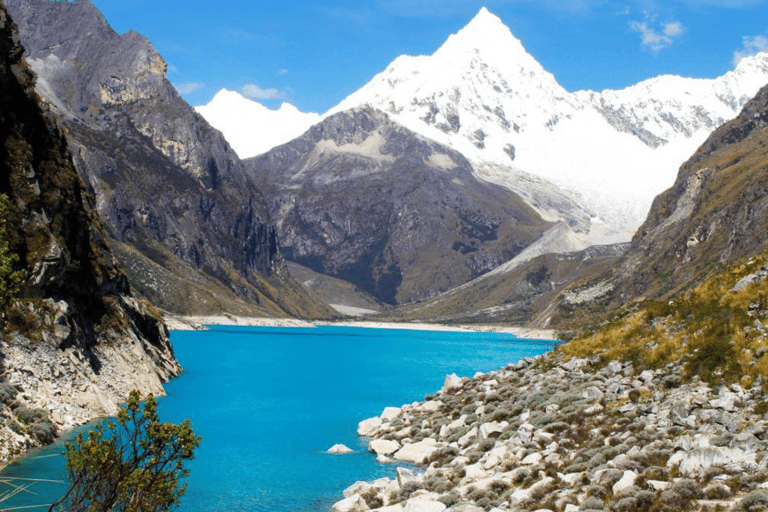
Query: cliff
(77, 341)
(166, 184)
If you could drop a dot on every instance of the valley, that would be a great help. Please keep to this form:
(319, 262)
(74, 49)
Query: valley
(464, 190)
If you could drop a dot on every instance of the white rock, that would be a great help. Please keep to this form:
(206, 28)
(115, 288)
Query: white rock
(571, 478)
(570, 507)
(452, 382)
(532, 459)
(383, 446)
(390, 413)
(614, 367)
(699, 460)
(522, 495)
(383, 459)
(405, 475)
(594, 409)
(430, 406)
(659, 485)
(468, 438)
(422, 505)
(358, 487)
(419, 452)
(368, 427)
(626, 481)
(354, 503)
(475, 472)
(339, 449)
(495, 456)
(492, 429)
(592, 393)
(398, 507)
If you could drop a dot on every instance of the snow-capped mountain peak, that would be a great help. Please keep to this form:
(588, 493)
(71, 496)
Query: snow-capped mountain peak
(250, 127)
(483, 94)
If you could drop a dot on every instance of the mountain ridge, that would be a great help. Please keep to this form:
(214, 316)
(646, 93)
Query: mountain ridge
(593, 159)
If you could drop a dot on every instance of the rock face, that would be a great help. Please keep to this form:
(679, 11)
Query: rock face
(714, 213)
(362, 198)
(165, 181)
(77, 342)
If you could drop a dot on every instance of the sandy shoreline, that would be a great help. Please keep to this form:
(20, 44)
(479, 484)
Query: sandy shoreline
(195, 323)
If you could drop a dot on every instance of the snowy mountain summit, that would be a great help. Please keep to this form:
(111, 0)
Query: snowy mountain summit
(610, 152)
(250, 127)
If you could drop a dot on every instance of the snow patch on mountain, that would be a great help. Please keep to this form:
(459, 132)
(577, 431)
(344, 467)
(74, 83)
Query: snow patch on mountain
(250, 127)
(610, 152)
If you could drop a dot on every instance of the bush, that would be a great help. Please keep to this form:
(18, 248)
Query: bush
(756, 501)
(7, 393)
(591, 503)
(44, 432)
(134, 464)
(28, 416)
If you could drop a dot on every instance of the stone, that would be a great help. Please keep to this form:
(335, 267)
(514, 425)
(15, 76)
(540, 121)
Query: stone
(358, 487)
(592, 393)
(422, 505)
(383, 446)
(532, 459)
(698, 461)
(405, 475)
(522, 495)
(570, 507)
(397, 507)
(339, 449)
(468, 438)
(496, 456)
(627, 480)
(492, 429)
(369, 427)
(390, 413)
(452, 383)
(383, 459)
(430, 406)
(659, 485)
(614, 367)
(354, 503)
(419, 452)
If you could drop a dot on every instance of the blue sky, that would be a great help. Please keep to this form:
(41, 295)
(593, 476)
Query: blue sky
(314, 54)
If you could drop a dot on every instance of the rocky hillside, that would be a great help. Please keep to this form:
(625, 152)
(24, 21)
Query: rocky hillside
(362, 198)
(519, 292)
(166, 183)
(663, 410)
(714, 215)
(78, 341)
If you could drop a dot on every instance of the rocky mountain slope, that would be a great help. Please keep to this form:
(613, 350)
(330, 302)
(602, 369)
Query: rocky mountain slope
(166, 183)
(250, 127)
(78, 341)
(610, 153)
(714, 215)
(362, 198)
(659, 407)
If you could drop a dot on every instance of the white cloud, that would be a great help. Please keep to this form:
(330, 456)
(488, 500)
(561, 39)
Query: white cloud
(751, 45)
(657, 38)
(189, 87)
(283, 72)
(254, 91)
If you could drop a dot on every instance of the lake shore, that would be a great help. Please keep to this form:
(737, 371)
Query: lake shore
(199, 322)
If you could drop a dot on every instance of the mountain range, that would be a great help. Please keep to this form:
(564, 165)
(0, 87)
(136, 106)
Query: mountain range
(593, 159)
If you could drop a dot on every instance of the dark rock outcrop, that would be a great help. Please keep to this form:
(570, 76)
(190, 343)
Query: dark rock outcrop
(362, 198)
(78, 341)
(165, 182)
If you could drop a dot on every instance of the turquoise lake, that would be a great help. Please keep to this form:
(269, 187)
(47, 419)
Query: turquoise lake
(268, 402)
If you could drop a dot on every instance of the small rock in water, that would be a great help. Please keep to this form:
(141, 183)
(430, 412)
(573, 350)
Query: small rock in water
(339, 449)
